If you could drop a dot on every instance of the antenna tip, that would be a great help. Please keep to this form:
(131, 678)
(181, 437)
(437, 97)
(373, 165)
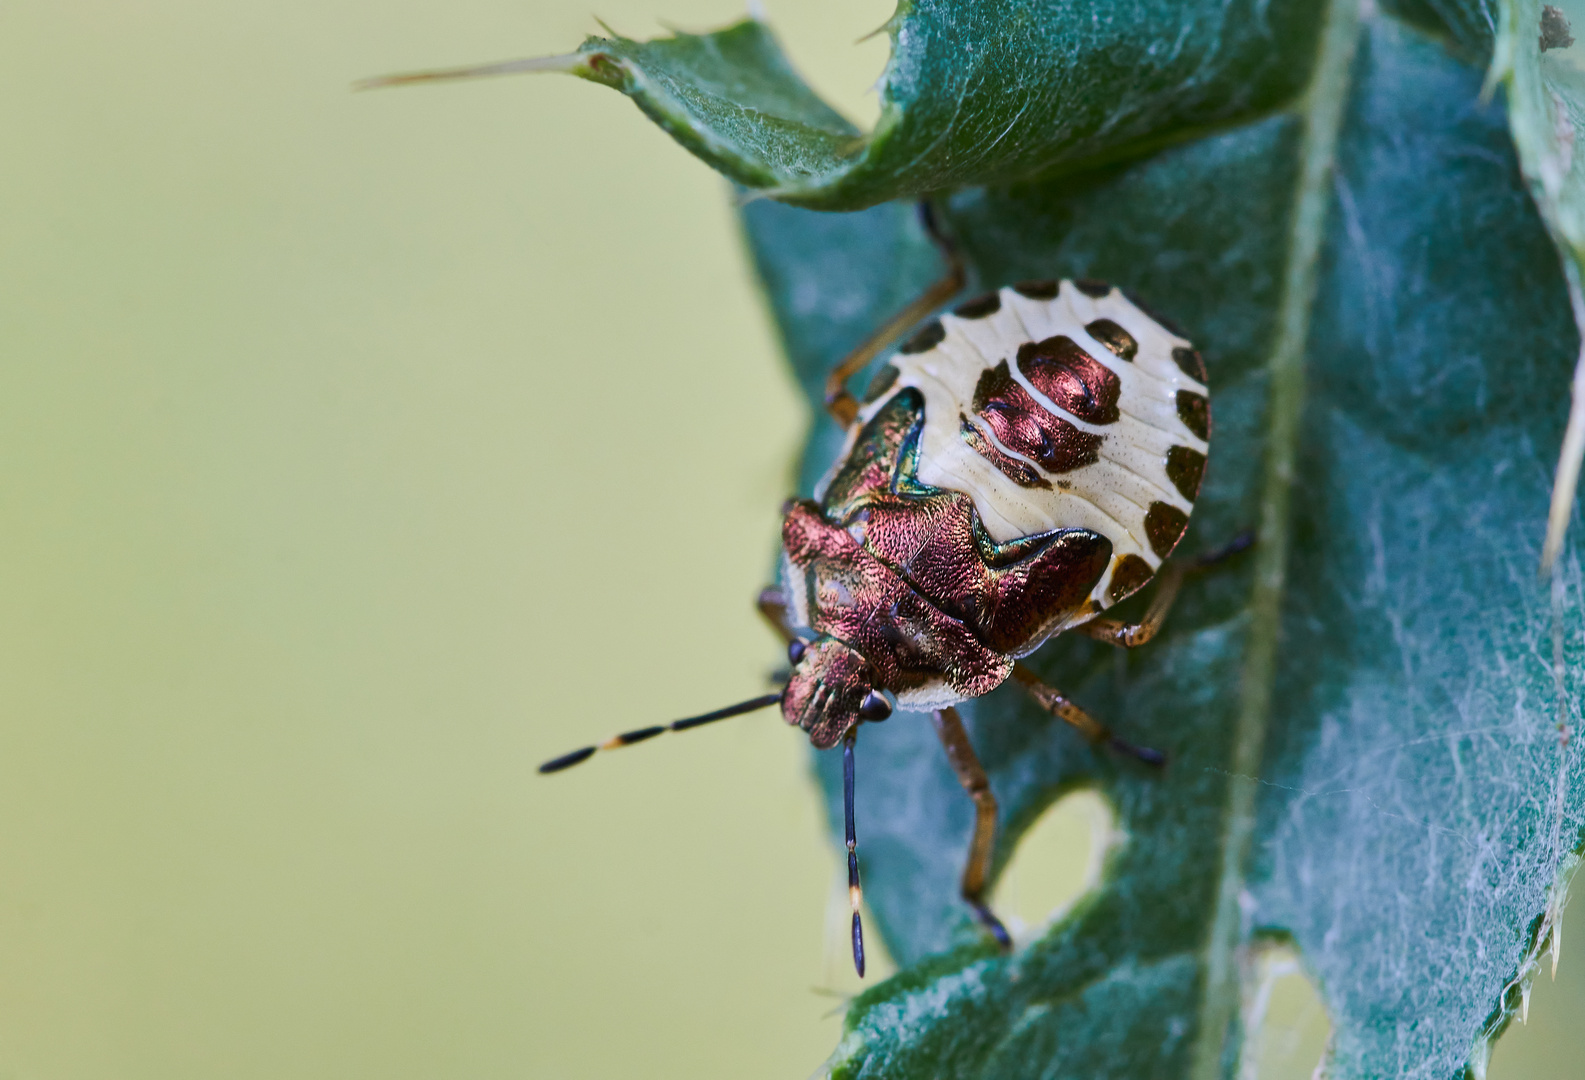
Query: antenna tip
(567, 761)
(858, 945)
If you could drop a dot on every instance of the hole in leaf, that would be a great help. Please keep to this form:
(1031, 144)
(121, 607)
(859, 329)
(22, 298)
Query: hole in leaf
(1285, 1025)
(1058, 859)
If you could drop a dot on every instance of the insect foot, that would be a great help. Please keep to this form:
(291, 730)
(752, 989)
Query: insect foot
(988, 919)
(1240, 543)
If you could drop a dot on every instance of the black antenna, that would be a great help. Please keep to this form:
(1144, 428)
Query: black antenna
(628, 738)
(855, 891)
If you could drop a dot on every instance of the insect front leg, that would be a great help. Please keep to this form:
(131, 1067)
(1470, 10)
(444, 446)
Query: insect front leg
(971, 774)
(843, 406)
(1063, 708)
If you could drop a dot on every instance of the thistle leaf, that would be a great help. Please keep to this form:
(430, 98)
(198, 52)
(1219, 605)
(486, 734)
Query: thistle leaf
(1371, 718)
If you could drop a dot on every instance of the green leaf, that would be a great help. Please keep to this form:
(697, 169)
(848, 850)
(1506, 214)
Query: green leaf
(977, 91)
(1392, 793)
(1368, 718)
(1543, 71)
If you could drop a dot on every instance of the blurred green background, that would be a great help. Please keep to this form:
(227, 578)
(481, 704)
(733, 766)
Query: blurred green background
(360, 452)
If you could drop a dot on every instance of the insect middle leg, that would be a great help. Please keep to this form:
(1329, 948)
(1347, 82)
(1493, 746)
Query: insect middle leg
(971, 774)
(1063, 708)
(843, 406)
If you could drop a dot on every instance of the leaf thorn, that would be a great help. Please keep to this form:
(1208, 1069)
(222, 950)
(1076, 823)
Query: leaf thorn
(1557, 944)
(565, 62)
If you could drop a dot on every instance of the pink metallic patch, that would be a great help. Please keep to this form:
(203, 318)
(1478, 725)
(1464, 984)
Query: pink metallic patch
(1072, 378)
(931, 543)
(863, 603)
(1019, 472)
(1022, 426)
(825, 691)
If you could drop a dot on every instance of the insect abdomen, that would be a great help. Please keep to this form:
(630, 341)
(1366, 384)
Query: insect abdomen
(1057, 406)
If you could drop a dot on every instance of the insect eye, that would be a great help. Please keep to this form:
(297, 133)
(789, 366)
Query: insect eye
(795, 651)
(874, 707)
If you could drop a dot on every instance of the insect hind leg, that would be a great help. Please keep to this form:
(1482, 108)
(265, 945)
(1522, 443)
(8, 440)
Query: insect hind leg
(1132, 635)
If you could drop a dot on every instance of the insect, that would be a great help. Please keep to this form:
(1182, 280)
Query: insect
(1018, 465)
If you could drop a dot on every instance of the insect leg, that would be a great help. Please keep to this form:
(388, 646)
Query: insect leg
(772, 604)
(971, 774)
(1133, 635)
(1237, 545)
(843, 406)
(1063, 708)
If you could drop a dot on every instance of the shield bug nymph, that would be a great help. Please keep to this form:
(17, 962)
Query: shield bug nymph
(1020, 464)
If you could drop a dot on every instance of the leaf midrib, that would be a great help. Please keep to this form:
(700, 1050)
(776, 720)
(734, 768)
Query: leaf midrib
(1322, 114)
